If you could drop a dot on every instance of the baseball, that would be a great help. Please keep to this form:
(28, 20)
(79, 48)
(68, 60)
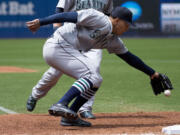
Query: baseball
(167, 93)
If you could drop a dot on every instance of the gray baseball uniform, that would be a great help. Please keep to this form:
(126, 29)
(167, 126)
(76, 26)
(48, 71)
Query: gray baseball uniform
(92, 30)
(52, 75)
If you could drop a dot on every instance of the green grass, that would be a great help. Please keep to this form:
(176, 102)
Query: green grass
(124, 89)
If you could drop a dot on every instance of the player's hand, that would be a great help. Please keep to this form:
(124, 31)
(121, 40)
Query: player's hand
(33, 25)
(155, 75)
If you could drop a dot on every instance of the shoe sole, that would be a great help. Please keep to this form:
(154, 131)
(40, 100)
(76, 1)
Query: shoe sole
(87, 116)
(30, 110)
(93, 118)
(62, 113)
(74, 124)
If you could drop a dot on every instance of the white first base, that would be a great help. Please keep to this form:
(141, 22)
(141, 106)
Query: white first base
(171, 130)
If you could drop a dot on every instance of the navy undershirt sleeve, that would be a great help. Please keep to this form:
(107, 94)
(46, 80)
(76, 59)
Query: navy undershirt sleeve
(58, 10)
(137, 63)
(59, 18)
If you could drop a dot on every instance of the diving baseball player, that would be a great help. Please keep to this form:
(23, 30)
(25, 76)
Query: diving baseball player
(87, 29)
(52, 75)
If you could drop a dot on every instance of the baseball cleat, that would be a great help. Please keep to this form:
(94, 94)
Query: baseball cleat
(87, 115)
(62, 110)
(31, 103)
(74, 122)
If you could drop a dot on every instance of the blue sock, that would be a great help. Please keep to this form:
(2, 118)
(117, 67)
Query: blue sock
(69, 96)
(78, 103)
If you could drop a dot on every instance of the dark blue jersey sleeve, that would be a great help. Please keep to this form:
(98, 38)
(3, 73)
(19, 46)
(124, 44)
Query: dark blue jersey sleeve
(137, 63)
(59, 18)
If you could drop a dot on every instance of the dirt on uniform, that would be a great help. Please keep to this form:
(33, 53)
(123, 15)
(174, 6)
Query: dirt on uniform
(105, 123)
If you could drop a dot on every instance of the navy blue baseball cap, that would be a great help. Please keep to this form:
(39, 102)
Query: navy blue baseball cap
(122, 13)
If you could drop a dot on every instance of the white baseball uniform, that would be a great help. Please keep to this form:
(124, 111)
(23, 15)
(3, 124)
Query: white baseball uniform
(52, 75)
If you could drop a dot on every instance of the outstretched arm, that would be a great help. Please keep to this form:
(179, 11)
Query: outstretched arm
(137, 63)
(159, 82)
(56, 18)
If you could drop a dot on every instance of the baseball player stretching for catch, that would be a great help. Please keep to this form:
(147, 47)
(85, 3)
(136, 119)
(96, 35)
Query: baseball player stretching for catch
(51, 76)
(88, 29)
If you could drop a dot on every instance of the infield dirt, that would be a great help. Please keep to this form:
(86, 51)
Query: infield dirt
(12, 69)
(106, 123)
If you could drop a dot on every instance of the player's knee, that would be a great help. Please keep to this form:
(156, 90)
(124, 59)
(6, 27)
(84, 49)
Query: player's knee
(97, 80)
(94, 77)
(49, 78)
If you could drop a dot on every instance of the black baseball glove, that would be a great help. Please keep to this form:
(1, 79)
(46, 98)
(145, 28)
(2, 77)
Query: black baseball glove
(161, 84)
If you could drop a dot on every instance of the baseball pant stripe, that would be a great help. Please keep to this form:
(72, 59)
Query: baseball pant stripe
(89, 82)
(80, 83)
(78, 87)
(87, 92)
(86, 97)
(92, 94)
(91, 91)
(85, 82)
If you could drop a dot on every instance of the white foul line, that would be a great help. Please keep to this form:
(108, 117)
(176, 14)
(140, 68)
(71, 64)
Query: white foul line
(7, 110)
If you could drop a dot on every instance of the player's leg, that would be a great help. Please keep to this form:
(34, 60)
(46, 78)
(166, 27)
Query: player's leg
(48, 80)
(86, 110)
(71, 62)
(94, 55)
